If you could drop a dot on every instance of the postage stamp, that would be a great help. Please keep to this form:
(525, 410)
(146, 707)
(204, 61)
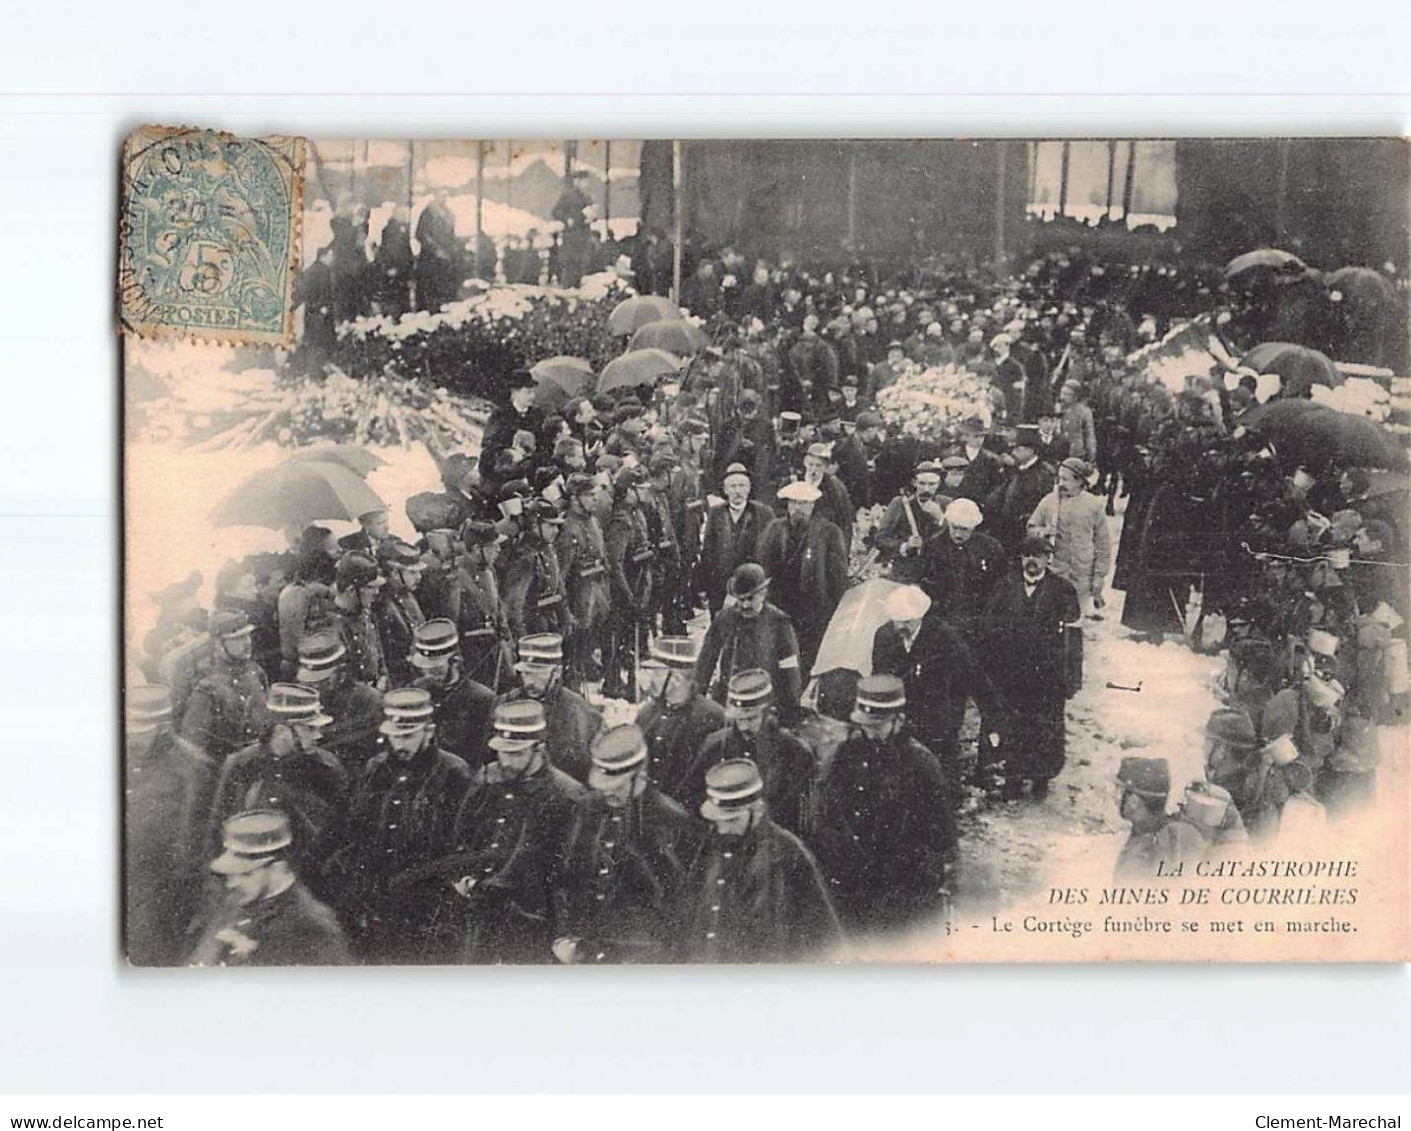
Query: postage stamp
(210, 235)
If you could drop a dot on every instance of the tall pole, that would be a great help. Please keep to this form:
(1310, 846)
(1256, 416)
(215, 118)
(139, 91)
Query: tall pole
(1111, 174)
(479, 199)
(1129, 190)
(1001, 146)
(1282, 192)
(678, 207)
(607, 188)
(1063, 180)
(852, 197)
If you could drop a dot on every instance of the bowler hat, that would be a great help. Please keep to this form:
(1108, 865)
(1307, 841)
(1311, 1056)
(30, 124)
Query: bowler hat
(251, 840)
(736, 469)
(747, 580)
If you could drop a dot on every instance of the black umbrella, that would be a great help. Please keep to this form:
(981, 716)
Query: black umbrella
(1304, 432)
(1298, 367)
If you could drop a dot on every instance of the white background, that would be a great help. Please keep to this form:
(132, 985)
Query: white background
(74, 78)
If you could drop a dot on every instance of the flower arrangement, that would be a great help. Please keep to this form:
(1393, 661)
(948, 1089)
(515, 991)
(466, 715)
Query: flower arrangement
(925, 403)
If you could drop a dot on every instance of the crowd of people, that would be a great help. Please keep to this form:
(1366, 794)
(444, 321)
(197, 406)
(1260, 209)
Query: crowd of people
(391, 752)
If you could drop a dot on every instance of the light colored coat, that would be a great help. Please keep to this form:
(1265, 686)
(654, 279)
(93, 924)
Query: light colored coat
(1082, 546)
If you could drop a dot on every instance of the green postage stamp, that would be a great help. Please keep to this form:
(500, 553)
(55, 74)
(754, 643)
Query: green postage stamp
(210, 235)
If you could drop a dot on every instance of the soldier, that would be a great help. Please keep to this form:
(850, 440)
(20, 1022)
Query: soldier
(508, 841)
(752, 633)
(583, 563)
(753, 731)
(402, 814)
(623, 862)
(961, 567)
(630, 572)
(752, 892)
(909, 524)
(1156, 838)
(396, 613)
(356, 709)
(355, 592)
(167, 785)
(272, 919)
(732, 534)
(463, 707)
(226, 709)
(288, 770)
(484, 631)
(533, 584)
(661, 528)
(807, 564)
(884, 835)
(675, 717)
(572, 723)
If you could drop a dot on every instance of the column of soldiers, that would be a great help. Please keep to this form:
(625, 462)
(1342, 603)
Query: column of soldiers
(417, 757)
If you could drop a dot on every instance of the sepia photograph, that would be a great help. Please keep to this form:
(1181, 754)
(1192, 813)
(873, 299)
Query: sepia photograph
(663, 552)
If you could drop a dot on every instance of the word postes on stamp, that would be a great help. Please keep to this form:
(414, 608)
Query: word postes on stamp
(210, 235)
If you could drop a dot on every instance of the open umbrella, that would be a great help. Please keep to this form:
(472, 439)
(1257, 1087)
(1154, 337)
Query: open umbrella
(1283, 262)
(637, 367)
(558, 379)
(1361, 284)
(1313, 434)
(1297, 366)
(631, 314)
(674, 336)
(296, 493)
(359, 461)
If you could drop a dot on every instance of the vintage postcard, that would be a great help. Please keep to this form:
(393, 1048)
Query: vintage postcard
(664, 552)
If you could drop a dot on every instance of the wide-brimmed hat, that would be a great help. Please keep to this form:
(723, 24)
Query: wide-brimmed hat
(620, 749)
(296, 704)
(731, 785)
(251, 840)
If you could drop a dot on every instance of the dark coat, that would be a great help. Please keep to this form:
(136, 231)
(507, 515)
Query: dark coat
(808, 571)
(167, 793)
(226, 709)
(628, 544)
(509, 838)
(837, 507)
(813, 359)
(356, 711)
(573, 724)
(504, 422)
(359, 635)
(533, 591)
(619, 877)
(786, 763)
(464, 711)
(309, 786)
(885, 835)
(397, 616)
(940, 673)
(1009, 506)
(582, 559)
(728, 544)
(1054, 450)
(854, 470)
(755, 898)
(750, 442)
(289, 929)
(736, 643)
(1024, 638)
(674, 739)
(982, 476)
(895, 530)
(960, 579)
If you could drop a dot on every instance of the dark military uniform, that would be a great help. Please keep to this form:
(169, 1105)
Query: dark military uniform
(485, 633)
(509, 838)
(667, 564)
(884, 835)
(630, 574)
(620, 877)
(401, 816)
(226, 709)
(397, 616)
(168, 790)
(356, 710)
(675, 736)
(359, 636)
(583, 563)
(463, 710)
(289, 929)
(533, 588)
(755, 898)
(309, 786)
